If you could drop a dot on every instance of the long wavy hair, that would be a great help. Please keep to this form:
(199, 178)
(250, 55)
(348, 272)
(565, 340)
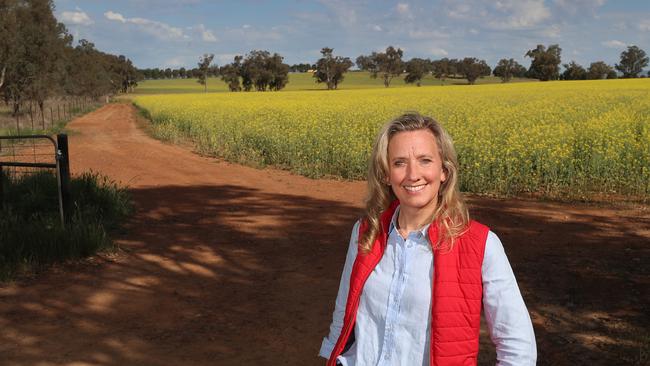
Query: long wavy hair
(451, 214)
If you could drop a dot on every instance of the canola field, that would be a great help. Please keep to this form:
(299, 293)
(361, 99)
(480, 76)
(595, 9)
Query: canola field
(578, 139)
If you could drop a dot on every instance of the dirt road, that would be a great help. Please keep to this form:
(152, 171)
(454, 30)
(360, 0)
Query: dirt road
(227, 265)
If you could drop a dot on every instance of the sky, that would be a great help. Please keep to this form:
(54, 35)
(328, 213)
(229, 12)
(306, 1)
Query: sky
(175, 33)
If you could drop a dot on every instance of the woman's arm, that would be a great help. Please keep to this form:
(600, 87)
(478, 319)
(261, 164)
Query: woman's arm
(341, 298)
(508, 320)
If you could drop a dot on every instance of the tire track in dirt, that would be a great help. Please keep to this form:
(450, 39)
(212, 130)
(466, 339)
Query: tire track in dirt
(223, 264)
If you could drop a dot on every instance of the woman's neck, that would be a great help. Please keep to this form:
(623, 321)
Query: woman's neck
(412, 220)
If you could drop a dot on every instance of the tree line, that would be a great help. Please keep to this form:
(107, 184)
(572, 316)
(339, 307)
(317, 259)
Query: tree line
(261, 70)
(38, 60)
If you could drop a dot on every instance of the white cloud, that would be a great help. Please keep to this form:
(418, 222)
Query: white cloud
(76, 17)
(460, 11)
(436, 51)
(224, 58)
(645, 25)
(582, 6)
(519, 13)
(157, 29)
(404, 10)
(420, 34)
(114, 16)
(551, 32)
(473, 31)
(376, 28)
(614, 44)
(177, 61)
(206, 34)
(343, 11)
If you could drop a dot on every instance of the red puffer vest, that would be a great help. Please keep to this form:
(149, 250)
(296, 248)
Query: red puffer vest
(457, 293)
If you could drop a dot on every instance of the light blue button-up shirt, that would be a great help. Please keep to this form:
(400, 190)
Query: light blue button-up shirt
(390, 327)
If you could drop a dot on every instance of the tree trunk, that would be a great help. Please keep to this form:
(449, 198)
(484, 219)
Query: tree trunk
(2, 76)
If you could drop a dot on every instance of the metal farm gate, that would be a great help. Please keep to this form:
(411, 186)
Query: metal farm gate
(24, 154)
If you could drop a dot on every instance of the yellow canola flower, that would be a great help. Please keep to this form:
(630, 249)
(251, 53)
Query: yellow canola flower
(554, 138)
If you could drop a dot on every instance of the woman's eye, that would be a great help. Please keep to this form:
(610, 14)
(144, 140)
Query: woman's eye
(398, 163)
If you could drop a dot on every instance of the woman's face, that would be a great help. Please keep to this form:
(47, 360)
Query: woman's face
(415, 170)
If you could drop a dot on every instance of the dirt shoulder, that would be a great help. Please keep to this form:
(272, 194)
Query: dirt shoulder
(223, 264)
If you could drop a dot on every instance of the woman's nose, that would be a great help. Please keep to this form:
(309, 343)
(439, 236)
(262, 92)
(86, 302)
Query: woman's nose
(412, 171)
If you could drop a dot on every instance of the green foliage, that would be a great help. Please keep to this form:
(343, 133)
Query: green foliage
(388, 64)
(573, 71)
(473, 68)
(416, 69)
(330, 69)
(31, 234)
(204, 67)
(301, 81)
(259, 70)
(506, 69)
(633, 60)
(600, 70)
(545, 64)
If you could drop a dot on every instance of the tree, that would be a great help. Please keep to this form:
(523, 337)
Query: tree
(204, 67)
(473, 68)
(259, 70)
(573, 71)
(442, 69)
(599, 70)
(8, 29)
(545, 64)
(506, 69)
(330, 69)
(231, 74)
(633, 60)
(301, 67)
(387, 64)
(416, 69)
(31, 51)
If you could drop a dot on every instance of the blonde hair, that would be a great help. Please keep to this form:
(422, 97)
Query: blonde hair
(451, 214)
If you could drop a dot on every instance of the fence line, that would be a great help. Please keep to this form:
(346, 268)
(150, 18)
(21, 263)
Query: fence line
(64, 110)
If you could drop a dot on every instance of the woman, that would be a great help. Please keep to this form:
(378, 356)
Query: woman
(418, 270)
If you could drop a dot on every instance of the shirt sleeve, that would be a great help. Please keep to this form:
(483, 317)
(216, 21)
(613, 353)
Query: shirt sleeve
(341, 298)
(507, 318)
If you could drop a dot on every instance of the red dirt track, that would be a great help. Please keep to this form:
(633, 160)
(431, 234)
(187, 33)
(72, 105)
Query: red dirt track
(223, 264)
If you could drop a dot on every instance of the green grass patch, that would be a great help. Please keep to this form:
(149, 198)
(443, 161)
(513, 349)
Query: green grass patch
(301, 81)
(31, 234)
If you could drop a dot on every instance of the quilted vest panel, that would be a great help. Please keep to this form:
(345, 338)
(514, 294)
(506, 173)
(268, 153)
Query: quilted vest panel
(457, 293)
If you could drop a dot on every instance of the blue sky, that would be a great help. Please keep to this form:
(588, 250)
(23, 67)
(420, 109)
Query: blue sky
(174, 33)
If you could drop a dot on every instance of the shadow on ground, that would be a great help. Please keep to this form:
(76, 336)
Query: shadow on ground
(225, 275)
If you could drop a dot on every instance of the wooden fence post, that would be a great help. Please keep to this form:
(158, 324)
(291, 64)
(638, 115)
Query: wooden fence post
(2, 201)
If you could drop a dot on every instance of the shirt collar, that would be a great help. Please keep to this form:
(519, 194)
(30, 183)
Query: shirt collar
(393, 224)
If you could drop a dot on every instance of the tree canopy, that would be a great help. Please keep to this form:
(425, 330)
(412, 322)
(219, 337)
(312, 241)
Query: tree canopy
(38, 60)
(574, 71)
(506, 69)
(473, 68)
(330, 68)
(387, 64)
(258, 70)
(416, 69)
(545, 64)
(204, 67)
(633, 60)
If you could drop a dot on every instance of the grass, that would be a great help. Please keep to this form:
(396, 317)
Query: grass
(31, 234)
(299, 81)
